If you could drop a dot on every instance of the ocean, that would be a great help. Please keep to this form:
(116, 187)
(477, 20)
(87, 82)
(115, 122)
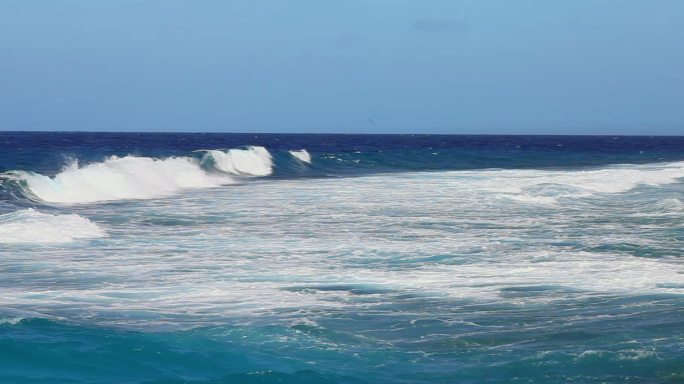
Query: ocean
(301, 258)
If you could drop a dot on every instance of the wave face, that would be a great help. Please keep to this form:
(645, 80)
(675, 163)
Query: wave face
(252, 161)
(119, 178)
(30, 226)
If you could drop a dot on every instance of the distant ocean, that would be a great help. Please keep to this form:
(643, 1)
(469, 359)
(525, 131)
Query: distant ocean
(288, 258)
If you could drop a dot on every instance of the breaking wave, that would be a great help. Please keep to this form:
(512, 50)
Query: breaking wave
(118, 178)
(31, 226)
(134, 177)
(251, 161)
(302, 155)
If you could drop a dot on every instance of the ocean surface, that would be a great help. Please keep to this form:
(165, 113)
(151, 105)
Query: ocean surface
(269, 258)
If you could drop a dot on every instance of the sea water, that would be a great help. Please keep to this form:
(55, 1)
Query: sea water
(244, 258)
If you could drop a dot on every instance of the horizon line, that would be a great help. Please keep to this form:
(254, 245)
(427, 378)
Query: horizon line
(349, 133)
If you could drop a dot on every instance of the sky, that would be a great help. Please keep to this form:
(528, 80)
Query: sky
(346, 66)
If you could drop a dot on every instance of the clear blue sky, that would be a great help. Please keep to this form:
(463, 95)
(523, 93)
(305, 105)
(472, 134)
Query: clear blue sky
(480, 66)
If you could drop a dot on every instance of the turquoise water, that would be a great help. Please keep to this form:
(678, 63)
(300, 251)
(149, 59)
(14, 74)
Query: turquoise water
(552, 261)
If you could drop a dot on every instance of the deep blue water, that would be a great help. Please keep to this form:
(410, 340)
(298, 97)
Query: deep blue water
(227, 258)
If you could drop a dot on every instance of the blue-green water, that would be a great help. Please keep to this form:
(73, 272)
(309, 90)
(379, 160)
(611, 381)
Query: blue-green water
(364, 259)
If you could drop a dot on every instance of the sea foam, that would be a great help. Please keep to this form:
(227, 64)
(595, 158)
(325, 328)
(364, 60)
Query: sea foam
(546, 187)
(10, 320)
(31, 226)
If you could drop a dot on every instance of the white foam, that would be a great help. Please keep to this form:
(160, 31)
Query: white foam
(11, 320)
(119, 178)
(622, 178)
(447, 234)
(302, 155)
(547, 186)
(30, 226)
(251, 161)
(626, 355)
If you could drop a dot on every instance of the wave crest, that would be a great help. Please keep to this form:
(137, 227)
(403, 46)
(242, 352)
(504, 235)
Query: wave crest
(31, 226)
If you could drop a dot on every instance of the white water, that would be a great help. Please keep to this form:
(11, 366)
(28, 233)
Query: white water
(30, 226)
(453, 235)
(11, 320)
(302, 155)
(252, 161)
(546, 187)
(119, 178)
